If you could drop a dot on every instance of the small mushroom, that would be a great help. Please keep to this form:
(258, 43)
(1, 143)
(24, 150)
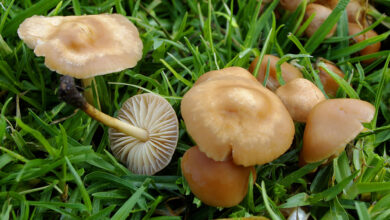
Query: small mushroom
(355, 9)
(154, 114)
(290, 5)
(373, 48)
(289, 72)
(330, 85)
(321, 14)
(219, 184)
(237, 116)
(331, 125)
(300, 96)
(146, 133)
(83, 46)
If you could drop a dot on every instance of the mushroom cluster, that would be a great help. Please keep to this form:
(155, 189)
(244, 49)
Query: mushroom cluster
(235, 120)
(146, 134)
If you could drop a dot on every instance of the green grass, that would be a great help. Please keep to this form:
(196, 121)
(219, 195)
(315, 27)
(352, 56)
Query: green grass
(55, 161)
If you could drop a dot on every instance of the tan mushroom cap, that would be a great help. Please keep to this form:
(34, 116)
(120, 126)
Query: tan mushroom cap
(331, 125)
(239, 117)
(330, 85)
(229, 71)
(154, 114)
(373, 48)
(290, 5)
(219, 184)
(321, 14)
(289, 72)
(83, 46)
(300, 96)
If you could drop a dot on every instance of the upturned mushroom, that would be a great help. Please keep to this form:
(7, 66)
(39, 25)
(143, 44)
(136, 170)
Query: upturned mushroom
(331, 125)
(83, 46)
(289, 72)
(321, 14)
(145, 135)
(330, 85)
(300, 96)
(237, 116)
(219, 184)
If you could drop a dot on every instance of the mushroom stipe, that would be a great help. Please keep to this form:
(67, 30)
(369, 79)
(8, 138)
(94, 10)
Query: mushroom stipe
(69, 93)
(145, 148)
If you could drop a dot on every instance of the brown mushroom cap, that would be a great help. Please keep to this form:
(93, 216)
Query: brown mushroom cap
(322, 13)
(330, 85)
(289, 72)
(239, 117)
(83, 46)
(220, 184)
(354, 9)
(373, 48)
(331, 125)
(290, 5)
(229, 71)
(154, 114)
(300, 96)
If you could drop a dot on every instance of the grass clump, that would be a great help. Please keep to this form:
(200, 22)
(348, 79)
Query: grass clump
(55, 161)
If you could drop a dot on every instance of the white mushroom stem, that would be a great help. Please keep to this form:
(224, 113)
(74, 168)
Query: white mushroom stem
(115, 123)
(71, 95)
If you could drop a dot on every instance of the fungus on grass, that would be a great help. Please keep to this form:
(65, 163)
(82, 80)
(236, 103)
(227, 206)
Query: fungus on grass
(331, 125)
(237, 116)
(236, 122)
(373, 48)
(146, 133)
(330, 85)
(289, 72)
(83, 46)
(321, 14)
(216, 183)
(300, 96)
(290, 5)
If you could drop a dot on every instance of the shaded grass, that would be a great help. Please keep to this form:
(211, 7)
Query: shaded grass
(55, 162)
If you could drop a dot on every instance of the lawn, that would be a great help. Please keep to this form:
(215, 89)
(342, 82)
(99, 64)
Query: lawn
(56, 162)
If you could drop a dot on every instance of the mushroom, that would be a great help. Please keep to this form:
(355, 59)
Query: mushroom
(355, 9)
(300, 96)
(289, 72)
(330, 85)
(83, 46)
(373, 48)
(321, 14)
(331, 125)
(219, 184)
(146, 133)
(237, 116)
(290, 5)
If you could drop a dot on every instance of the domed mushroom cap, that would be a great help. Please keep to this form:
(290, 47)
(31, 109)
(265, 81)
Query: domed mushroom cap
(372, 48)
(300, 96)
(239, 117)
(330, 85)
(83, 46)
(331, 125)
(233, 71)
(321, 14)
(154, 114)
(219, 184)
(290, 5)
(289, 72)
